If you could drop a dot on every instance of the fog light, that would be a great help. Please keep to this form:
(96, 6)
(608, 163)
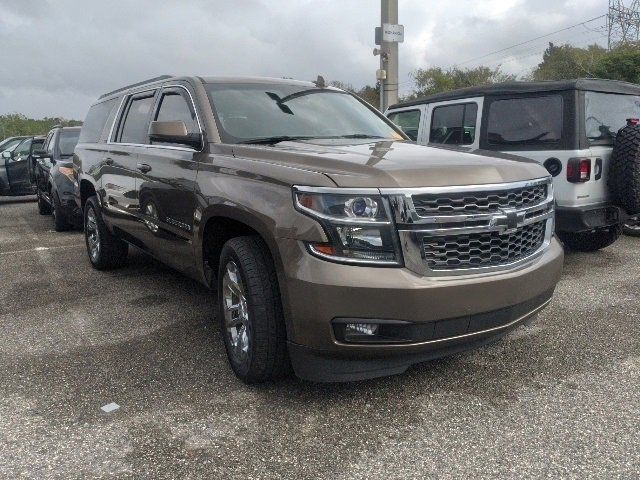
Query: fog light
(360, 329)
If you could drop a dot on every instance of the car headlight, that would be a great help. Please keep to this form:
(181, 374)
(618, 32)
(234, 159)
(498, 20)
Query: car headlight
(357, 223)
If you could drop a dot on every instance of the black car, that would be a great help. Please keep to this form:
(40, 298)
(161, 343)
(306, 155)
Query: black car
(54, 177)
(16, 165)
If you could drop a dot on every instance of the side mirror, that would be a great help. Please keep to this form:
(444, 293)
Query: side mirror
(174, 132)
(6, 155)
(40, 154)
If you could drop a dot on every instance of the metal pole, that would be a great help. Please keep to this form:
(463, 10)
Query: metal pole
(389, 14)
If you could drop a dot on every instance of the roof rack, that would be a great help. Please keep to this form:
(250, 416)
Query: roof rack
(151, 80)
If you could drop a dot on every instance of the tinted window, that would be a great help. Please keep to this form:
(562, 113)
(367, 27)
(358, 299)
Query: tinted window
(96, 121)
(49, 143)
(606, 113)
(24, 149)
(246, 112)
(408, 121)
(67, 141)
(136, 124)
(11, 144)
(525, 121)
(174, 107)
(454, 124)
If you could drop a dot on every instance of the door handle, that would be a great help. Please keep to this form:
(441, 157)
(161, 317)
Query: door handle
(143, 167)
(108, 161)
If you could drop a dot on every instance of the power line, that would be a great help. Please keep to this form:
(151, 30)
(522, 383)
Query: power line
(532, 40)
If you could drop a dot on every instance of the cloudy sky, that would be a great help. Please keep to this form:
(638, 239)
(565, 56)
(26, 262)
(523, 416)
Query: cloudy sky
(59, 55)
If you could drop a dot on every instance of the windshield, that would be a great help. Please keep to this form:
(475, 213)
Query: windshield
(68, 141)
(606, 113)
(254, 112)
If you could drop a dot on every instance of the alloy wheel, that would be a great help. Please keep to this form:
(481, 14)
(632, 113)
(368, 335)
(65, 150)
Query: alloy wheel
(236, 313)
(93, 236)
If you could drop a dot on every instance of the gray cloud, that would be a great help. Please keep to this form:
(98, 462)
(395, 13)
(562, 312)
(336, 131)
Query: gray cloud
(58, 56)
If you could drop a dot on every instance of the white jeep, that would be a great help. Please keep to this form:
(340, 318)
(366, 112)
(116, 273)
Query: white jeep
(568, 126)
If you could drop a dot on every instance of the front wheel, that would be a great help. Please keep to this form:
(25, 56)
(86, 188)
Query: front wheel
(632, 226)
(43, 207)
(105, 249)
(590, 241)
(60, 223)
(250, 311)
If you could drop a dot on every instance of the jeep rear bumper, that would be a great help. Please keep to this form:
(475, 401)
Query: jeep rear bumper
(583, 219)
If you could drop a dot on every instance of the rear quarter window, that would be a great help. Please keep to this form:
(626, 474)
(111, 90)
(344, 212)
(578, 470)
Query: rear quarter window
(96, 122)
(525, 121)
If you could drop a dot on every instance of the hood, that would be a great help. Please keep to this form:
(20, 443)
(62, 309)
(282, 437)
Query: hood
(389, 164)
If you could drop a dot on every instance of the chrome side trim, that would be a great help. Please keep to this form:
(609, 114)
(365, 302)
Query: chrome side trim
(126, 97)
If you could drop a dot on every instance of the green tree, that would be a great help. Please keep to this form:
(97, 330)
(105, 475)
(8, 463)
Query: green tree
(622, 63)
(436, 79)
(565, 61)
(14, 124)
(368, 93)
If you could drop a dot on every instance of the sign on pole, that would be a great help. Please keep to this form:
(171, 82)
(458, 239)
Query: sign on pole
(392, 33)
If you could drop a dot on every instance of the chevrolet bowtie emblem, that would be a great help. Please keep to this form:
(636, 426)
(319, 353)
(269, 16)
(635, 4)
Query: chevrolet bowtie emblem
(509, 219)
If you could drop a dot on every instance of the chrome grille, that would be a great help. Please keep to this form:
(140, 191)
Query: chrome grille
(470, 203)
(468, 229)
(484, 249)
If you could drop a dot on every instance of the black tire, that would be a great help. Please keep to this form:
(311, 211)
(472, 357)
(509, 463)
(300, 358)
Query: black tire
(60, 223)
(632, 226)
(112, 251)
(266, 356)
(590, 241)
(624, 169)
(43, 207)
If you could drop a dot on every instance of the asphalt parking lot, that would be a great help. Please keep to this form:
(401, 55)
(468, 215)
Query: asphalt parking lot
(555, 399)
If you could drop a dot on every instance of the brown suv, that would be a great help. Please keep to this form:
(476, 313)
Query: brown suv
(336, 246)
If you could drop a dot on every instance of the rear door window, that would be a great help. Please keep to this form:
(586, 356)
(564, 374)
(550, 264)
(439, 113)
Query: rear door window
(135, 128)
(525, 121)
(96, 121)
(454, 124)
(408, 121)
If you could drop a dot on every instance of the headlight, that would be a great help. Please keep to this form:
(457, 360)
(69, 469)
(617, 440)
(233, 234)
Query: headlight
(357, 224)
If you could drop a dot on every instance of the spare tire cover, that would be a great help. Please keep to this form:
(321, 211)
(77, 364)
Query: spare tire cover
(624, 169)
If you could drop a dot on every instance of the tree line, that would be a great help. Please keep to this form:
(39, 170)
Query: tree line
(15, 124)
(559, 62)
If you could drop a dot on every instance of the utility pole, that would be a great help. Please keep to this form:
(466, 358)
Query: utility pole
(623, 22)
(388, 35)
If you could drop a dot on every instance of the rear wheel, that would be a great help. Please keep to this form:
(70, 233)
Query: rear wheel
(632, 226)
(250, 311)
(43, 207)
(590, 241)
(105, 250)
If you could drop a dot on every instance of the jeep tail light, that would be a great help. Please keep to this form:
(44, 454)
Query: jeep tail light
(579, 170)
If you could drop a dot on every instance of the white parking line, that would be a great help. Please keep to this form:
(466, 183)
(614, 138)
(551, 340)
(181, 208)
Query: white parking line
(41, 249)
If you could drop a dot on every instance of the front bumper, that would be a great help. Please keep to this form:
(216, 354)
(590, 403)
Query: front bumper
(583, 219)
(456, 312)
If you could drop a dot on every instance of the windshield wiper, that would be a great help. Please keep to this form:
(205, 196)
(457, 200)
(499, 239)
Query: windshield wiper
(359, 135)
(274, 140)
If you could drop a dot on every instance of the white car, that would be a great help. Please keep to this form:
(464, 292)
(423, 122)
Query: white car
(568, 126)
